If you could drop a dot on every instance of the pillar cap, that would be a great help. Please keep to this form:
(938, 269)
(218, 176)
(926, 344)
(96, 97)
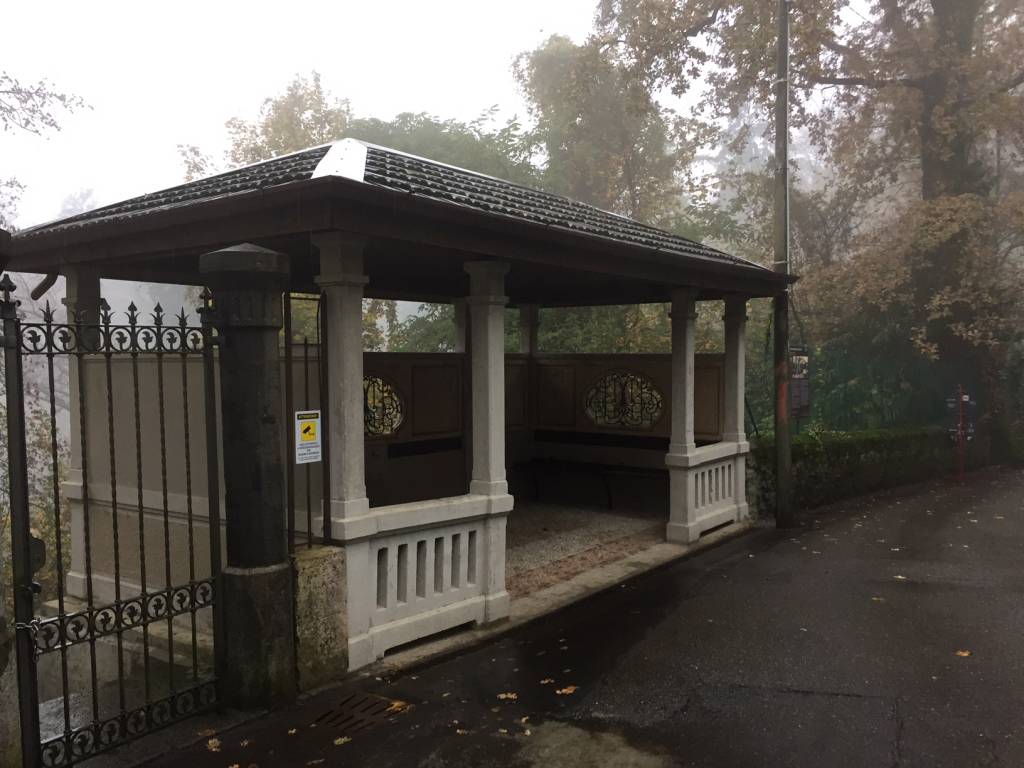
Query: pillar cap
(245, 259)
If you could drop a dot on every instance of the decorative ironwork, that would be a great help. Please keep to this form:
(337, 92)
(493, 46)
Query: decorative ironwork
(383, 409)
(85, 626)
(79, 336)
(624, 399)
(90, 740)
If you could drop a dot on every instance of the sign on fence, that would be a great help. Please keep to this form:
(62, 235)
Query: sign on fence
(308, 442)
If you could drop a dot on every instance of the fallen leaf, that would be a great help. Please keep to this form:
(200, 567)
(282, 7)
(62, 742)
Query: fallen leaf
(878, 599)
(461, 732)
(292, 731)
(508, 696)
(547, 681)
(206, 733)
(963, 653)
(526, 732)
(213, 745)
(567, 690)
(243, 743)
(523, 720)
(503, 730)
(342, 740)
(397, 706)
(900, 577)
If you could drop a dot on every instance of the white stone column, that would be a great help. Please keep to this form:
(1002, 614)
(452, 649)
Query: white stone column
(343, 281)
(734, 427)
(682, 526)
(529, 323)
(82, 296)
(487, 342)
(487, 352)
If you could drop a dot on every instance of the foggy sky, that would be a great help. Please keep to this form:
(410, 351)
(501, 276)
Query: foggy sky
(159, 75)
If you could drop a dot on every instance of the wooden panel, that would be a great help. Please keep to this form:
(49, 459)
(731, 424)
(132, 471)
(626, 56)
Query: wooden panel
(707, 401)
(556, 395)
(436, 400)
(515, 394)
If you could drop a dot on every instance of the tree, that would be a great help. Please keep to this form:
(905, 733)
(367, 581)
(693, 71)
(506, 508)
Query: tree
(605, 140)
(915, 109)
(29, 108)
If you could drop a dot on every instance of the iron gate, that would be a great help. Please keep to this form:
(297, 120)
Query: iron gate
(116, 619)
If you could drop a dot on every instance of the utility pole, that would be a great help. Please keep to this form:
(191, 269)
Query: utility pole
(783, 459)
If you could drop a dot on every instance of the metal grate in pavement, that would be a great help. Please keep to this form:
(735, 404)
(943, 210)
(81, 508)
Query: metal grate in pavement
(359, 711)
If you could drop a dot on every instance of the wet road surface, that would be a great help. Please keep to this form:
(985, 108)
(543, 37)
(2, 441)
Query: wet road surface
(887, 632)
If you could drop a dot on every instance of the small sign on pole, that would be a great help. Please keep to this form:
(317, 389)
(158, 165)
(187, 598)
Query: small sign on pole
(308, 442)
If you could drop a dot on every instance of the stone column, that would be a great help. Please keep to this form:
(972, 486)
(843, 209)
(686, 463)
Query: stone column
(529, 324)
(734, 427)
(487, 365)
(256, 585)
(487, 340)
(682, 526)
(343, 281)
(82, 296)
(733, 430)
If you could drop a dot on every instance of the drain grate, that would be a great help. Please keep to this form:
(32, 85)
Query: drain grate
(359, 711)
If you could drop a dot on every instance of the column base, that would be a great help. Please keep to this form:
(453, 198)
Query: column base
(496, 607)
(258, 636)
(342, 508)
(682, 533)
(488, 487)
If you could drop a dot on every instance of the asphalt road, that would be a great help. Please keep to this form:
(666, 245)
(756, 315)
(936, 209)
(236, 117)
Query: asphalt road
(887, 632)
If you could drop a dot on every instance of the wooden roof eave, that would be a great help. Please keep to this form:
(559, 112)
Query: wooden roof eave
(336, 203)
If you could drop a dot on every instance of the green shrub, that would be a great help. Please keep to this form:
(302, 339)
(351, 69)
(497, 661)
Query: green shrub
(830, 466)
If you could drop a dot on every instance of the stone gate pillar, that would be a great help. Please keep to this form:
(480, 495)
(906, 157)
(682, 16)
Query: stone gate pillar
(256, 585)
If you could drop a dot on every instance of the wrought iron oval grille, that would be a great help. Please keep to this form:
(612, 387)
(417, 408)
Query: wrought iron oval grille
(624, 399)
(383, 408)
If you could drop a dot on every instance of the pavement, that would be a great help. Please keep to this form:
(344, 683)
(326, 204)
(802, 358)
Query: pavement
(884, 632)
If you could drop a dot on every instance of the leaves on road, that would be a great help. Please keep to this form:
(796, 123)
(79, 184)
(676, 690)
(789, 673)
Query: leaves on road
(963, 653)
(213, 745)
(508, 696)
(567, 690)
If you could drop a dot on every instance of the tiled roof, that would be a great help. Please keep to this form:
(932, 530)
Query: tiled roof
(390, 169)
(417, 176)
(298, 166)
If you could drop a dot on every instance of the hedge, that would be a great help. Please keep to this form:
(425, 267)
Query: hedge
(830, 466)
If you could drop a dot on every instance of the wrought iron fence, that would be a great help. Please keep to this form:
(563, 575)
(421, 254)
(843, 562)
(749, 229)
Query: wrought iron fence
(124, 645)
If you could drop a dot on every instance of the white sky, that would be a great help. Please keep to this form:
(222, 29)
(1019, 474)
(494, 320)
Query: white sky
(159, 78)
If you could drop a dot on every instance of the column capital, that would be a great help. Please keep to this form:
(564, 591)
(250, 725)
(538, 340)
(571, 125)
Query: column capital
(341, 259)
(247, 282)
(735, 308)
(341, 278)
(487, 282)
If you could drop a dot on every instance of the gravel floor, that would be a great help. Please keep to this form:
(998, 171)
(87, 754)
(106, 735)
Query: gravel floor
(549, 543)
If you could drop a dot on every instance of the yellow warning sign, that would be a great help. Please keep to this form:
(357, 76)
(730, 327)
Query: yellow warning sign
(307, 431)
(307, 437)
